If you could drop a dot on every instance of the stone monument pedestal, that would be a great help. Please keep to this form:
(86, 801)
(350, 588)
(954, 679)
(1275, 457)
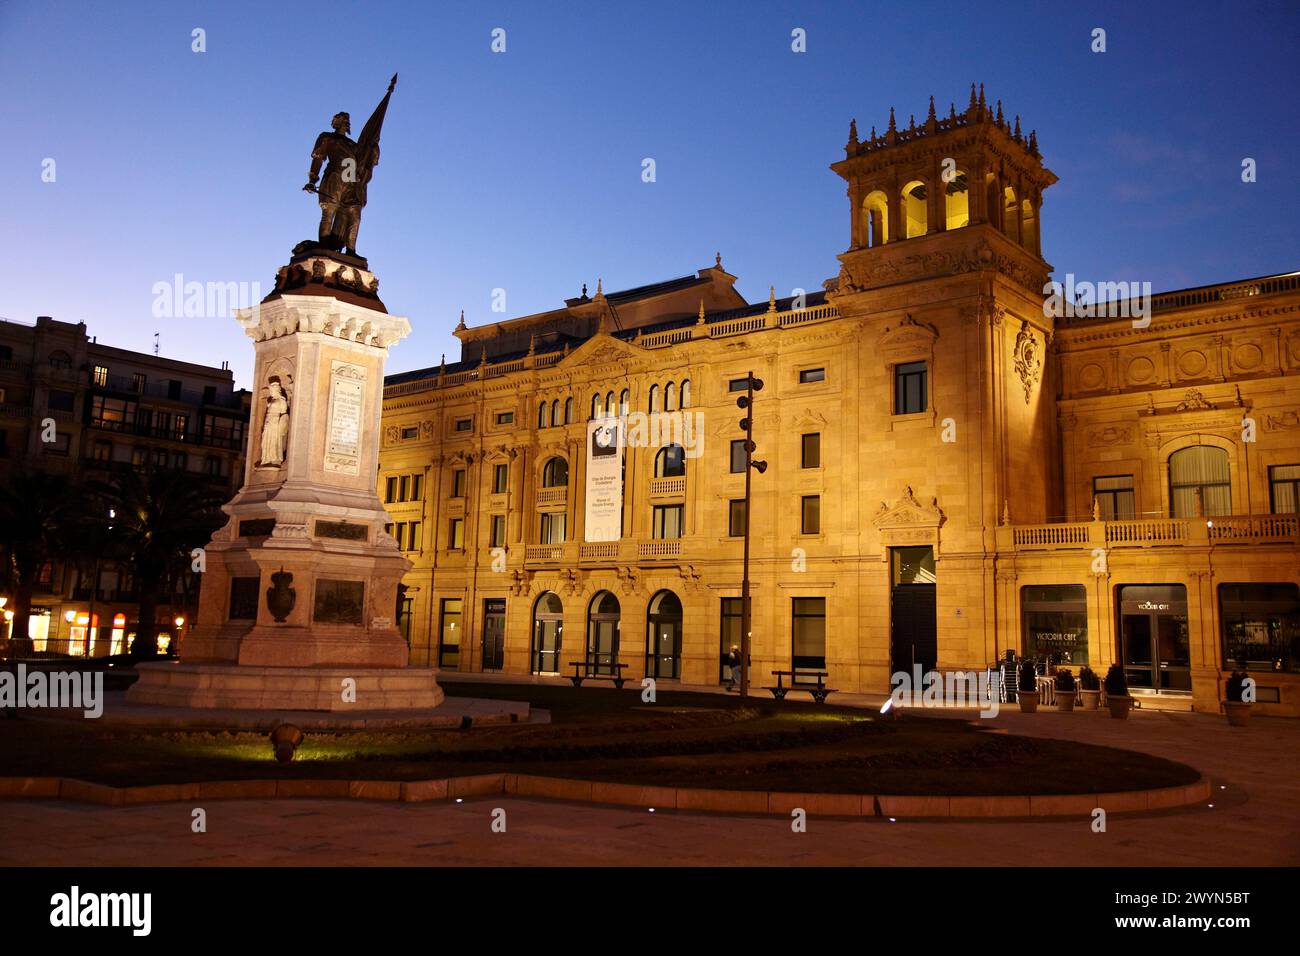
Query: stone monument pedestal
(299, 594)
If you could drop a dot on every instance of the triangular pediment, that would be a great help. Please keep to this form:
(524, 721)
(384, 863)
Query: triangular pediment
(908, 512)
(603, 350)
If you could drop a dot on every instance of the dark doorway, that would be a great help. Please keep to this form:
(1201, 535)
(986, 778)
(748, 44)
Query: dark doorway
(913, 625)
(1154, 646)
(494, 634)
(602, 633)
(663, 647)
(548, 633)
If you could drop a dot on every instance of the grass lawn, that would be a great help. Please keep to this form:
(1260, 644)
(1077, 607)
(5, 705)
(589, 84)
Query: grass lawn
(688, 740)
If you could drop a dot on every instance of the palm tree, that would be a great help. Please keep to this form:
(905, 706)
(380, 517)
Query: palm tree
(158, 517)
(40, 517)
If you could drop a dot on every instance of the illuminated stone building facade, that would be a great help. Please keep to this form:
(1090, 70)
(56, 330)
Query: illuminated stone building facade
(955, 469)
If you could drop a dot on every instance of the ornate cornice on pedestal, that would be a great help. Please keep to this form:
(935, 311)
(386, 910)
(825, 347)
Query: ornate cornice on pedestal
(940, 255)
(291, 314)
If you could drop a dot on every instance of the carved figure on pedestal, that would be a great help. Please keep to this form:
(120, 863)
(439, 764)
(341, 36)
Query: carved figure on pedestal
(275, 425)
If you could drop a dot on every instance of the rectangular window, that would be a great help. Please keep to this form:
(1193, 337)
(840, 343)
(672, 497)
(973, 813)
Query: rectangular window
(811, 375)
(390, 489)
(738, 456)
(497, 533)
(668, 520)
(164, 424)
(458, 483)
(552, 527)
(1056, 622)
(60, 446)
(738, 384)
(808, 633)
(464, 424)
(500, 479)
(505, 418)
(137, 381)
(449, 633)
(736, 518)
(416, 482)
(403, 488)
(1261, 627)
(173, 389)
(1284, 489)
(60, 401)
(179, 426)
(456, 535)
(103, 451)
(810, 451)
(1114, 495)
(139, 456)
(410, 432)
(810, 520)
(909, 388)
(111, 413)
(413, 535)
(99, 376)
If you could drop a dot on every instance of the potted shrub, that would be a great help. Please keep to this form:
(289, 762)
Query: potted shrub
(1065, 690)
(1028, 688)
(1089, 687)
(1117, 695)
(1237, 709)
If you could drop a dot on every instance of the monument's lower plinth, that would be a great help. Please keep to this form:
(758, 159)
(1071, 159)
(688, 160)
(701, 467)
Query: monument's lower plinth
(249, 687)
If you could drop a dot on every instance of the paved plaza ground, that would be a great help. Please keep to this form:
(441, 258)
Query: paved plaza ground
(1254, 821)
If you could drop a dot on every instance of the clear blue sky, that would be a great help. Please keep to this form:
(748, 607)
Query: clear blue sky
(522, 170)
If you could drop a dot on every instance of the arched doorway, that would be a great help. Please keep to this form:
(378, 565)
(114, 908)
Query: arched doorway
(663, 645)
(602, 633)
(548, 630)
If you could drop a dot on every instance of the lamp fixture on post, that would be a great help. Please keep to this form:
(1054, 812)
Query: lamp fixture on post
(746, 402)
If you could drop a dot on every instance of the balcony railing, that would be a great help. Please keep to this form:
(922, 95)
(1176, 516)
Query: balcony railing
(668, 486)
(1152, 533)
(544, 552)
(552, 496)
(660, 548)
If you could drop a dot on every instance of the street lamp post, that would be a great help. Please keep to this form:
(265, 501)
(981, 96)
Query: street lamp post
(746, 402)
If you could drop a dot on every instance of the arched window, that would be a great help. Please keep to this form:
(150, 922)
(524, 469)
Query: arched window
(555, 413)
(595, 405)
(956, 202)
(654, 398)
(915, 214)
(663, 644)
(548, 629)
(610, 408)
(555, 473)
(602, 633)
(568, 410)
(875, 219)
(670, 397)
(686, 393)
(1010, 214)
(625, 403)
(1028, 226)
(543, 416)
(670, 462)
(1199, 483)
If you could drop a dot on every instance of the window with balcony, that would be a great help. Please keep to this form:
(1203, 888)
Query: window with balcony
(555, 473)
(552, 527)
(1284, 489)
(910, 396)
(180, 426)
(98, 376)
(1199, 484)
(810, 450)
(137, 381)
(111, 413)
(670, 462)
(810, 512)
(668, 521)
(500, 479)
(738, 456)
(736, 518)
(1114, 497)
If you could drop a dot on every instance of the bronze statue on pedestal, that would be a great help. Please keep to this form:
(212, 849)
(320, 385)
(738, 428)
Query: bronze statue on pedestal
(342, 189)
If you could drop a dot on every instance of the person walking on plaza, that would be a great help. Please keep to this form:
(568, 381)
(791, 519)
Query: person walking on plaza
(733, 666)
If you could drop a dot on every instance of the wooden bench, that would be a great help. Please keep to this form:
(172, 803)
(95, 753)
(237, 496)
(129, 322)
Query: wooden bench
(583, 670)
(819, 690)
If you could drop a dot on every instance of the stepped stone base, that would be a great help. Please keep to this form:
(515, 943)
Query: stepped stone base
(245, 687)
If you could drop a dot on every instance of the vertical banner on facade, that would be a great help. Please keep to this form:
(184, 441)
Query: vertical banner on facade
(604, 497)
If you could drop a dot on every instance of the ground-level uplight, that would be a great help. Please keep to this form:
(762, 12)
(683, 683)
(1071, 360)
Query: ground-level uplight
(285, 740)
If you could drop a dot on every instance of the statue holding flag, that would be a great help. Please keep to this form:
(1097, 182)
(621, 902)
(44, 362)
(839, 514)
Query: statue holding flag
(342, 189)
